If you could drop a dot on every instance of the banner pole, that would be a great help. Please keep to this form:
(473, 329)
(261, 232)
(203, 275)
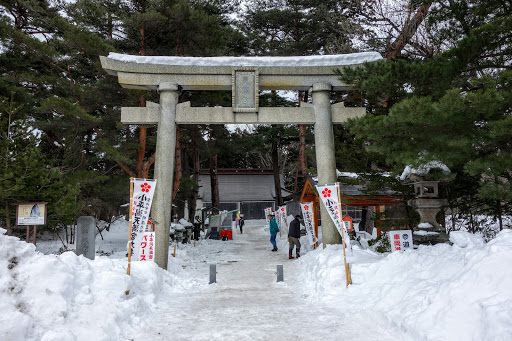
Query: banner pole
(130, 232)
(347, 266)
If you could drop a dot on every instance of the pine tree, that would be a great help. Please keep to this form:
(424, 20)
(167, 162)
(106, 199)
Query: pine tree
(453, 107)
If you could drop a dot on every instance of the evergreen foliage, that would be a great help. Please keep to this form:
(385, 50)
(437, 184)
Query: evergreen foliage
(454, 107)
(447, 96)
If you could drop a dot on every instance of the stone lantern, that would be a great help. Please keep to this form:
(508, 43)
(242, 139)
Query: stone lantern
(427, 203)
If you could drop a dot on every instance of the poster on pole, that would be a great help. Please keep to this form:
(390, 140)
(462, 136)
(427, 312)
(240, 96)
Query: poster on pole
(268, 211)
(400, 240)
(307, 215)
(278, 217)
(329, 197)
(31, 213)
(147, 247)
(284, 218)
(143, 191)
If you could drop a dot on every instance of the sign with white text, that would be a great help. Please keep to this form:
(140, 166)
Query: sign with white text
(400, 240)
(268, 211)
(329, 197)
(147, 247)
(143, 191)
(284, 217)
(307, 215)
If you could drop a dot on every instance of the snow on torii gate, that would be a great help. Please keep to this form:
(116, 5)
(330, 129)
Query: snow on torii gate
(245, 77)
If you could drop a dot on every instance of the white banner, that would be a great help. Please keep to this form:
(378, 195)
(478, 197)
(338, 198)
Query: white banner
(268, 211)
(147, 247)
(143, 191)
(307, 215)
(400, 240)
(284, 218)
(329, 197)
(278, 217)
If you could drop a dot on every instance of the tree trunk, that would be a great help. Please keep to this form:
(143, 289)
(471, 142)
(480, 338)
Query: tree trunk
(177, 163)
(275, 166)
(142, 168)
(302, 149)
(500, 216)
(195, 173)
(8, 225)
(302, 139)
(408, 31)
(142, 142)
(214, 182)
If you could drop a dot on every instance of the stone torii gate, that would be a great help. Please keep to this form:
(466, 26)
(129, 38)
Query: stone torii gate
(245, 77)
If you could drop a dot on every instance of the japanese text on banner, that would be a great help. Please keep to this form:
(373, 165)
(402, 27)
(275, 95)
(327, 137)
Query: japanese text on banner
(307, 215)
(143, 191)
(147, 247)
(268, 211)
(283, 216)
(329, 197)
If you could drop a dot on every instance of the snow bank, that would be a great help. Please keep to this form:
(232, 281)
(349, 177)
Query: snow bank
(69, 297)
(325, 60)
(441, 292)
(424, 169)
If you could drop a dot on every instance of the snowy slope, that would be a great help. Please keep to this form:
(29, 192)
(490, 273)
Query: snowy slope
(443, 292)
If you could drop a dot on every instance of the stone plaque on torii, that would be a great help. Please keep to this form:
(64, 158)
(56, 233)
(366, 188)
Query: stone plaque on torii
(245, 77)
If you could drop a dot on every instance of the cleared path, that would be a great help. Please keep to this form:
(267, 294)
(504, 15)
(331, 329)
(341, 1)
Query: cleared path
(247, 303)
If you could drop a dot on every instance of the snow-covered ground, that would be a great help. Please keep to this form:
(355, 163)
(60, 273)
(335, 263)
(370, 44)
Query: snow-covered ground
(443, 292)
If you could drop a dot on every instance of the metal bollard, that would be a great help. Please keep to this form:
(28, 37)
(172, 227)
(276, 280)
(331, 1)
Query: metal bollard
(213, 273)
(280, 275)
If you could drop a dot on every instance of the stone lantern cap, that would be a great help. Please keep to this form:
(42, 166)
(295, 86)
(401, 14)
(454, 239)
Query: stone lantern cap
(432, 171)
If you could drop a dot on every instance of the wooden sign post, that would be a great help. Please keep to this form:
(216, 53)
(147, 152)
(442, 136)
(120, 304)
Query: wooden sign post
(347, 265)
(31, 214)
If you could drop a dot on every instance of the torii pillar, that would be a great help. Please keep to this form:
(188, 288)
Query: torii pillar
(164, 170)
(325, 153)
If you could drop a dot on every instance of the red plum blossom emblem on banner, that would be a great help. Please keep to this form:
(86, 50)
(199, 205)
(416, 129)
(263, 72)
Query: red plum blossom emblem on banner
(326, 193)
(145, 187)
(306, 207)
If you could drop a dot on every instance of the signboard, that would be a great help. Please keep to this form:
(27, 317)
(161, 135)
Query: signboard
(245, 92)
(348, 222)
(284, 217)
(147, 247)
(143, 191)
(307, 215)
(31, 213)
(268, 211)
(329, 197)
(400, 240)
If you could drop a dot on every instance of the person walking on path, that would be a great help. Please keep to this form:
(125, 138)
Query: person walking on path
(294, 236)
(241, 222)
(273, 231)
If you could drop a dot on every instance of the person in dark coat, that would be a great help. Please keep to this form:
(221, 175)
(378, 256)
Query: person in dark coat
(241, 222)
(294, 236)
